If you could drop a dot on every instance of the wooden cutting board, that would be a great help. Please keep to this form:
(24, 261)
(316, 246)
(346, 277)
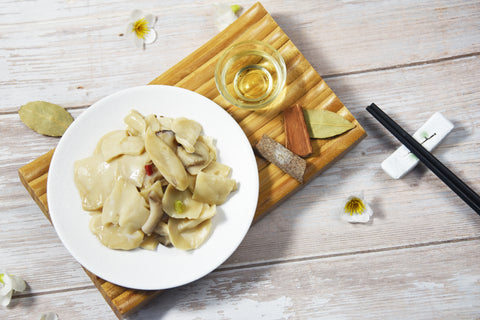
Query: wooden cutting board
(196, 72)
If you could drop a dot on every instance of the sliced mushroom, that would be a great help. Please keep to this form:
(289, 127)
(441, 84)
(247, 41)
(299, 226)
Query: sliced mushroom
(212, 189)
(191, 238)
(162, 229)
(114, 236)
(156, 186)
(165, 123)
(135, 123)
(156, 212)
(109, 144)
(125, 206)
(168, 137)
(186, 132)
(179, 204)
(151, 121)
(149, 243)
(94, 179)
(166, 161)
(208, 211)
(162, 233)
(132, 168)
(194, 162)
(219, 169)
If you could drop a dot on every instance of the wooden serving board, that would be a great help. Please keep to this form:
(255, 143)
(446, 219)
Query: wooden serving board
(196, 72)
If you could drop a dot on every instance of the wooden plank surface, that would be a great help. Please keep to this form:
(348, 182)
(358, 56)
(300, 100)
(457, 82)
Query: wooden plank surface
(419, 48)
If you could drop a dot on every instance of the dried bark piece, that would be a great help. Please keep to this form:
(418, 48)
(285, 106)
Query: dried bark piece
(283, 158)
(297, 138)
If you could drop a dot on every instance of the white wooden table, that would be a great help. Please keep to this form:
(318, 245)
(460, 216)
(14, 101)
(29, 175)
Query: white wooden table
(417, 259)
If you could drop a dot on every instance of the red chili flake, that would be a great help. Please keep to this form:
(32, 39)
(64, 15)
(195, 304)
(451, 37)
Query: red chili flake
(148, 169)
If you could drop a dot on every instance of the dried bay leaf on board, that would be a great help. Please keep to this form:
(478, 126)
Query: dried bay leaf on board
(45, 118)
(325, 124)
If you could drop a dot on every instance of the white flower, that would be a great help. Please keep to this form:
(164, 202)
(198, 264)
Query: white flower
(356, 210)
(49, 316)
(141, 27)
(225, 14)
(8, 285)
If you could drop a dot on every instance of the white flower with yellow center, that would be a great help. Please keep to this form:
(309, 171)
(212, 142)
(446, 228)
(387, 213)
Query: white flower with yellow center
(49, 316)
(356, 210)
(225, 14)
(8, 285)
(141, 26)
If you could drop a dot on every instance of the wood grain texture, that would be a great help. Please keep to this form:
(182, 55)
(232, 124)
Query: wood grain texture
(415, 260)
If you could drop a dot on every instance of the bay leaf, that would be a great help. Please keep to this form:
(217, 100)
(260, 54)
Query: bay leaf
(325, 124)
(45, 118)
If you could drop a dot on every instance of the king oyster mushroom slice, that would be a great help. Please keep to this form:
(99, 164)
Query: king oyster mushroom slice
(149, 243)
(186, 132)
(94, 179)
(161, 229)
(212, 189)
(125, 206)
(162, 233)
(190, 238)
(132, 168)
(117, 143)
(151, 121)
(165, 123)
(155, 186)
(168, 136)
(208, 212)
(194, 162)
(191, 209)
(156, 212)
(135, 123)
(108, 145)
(114, 236)
(218, 169)
(166, 161)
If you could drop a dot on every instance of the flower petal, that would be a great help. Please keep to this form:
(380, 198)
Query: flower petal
(49, 316)
(224, 16)
(7, 284)
(150, 37)
(151, 20)
(354, 217)
(18, 284)
(129, 30)
(5, 299)
(136, 14)
(139, 42)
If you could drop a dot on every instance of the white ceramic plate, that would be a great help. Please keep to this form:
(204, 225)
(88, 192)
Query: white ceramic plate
(165, 267)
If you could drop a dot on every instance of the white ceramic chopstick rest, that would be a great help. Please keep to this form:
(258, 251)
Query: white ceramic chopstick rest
(430, 134)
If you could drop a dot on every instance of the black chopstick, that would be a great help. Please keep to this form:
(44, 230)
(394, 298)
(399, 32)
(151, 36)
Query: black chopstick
(429, 160)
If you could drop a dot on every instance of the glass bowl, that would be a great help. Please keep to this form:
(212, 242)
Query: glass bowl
(250, 74)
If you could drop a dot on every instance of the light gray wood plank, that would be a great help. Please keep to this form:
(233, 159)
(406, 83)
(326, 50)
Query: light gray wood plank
(78, 57)
(78, 303)
(366, 286)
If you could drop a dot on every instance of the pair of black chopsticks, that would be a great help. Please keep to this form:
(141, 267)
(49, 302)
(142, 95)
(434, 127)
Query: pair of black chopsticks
(432, 163)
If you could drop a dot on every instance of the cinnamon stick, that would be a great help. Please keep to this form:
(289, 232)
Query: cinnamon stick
(297, 138)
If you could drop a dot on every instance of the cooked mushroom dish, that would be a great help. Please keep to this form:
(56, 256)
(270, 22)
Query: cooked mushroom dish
(157, 181)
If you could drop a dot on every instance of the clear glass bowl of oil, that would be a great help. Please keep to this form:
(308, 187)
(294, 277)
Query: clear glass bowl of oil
(250, 74)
